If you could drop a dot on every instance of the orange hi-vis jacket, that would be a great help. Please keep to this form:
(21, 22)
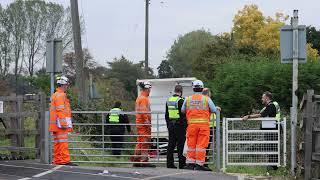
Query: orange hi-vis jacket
(60, 112)
(197, 109)
(143, 109)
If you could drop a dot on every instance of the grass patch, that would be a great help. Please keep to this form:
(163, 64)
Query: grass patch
(258, 170)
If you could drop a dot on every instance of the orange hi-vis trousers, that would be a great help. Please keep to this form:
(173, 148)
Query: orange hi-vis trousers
(61, 150)
(143, 141)
(197, 141)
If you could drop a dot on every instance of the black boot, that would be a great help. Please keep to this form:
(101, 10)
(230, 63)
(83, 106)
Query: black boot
(189, 166)
(201, 168)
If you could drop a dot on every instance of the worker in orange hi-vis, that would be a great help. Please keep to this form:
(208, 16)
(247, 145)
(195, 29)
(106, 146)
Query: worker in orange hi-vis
(60, 122)
(143, 121)
(198, 108)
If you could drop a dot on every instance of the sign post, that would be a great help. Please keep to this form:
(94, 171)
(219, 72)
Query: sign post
(293, 50)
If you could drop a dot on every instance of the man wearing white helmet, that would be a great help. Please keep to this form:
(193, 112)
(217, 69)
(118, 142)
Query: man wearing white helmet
(60, 122)
(198, 108)
(143, 121)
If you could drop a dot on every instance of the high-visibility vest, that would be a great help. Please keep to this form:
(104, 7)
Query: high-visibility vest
(278, 114)
(173, 109)
(60, 112)
(197, 109)
(213, 118)
(114, 116)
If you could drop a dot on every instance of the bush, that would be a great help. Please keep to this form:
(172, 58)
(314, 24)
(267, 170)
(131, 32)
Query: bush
(238, 86)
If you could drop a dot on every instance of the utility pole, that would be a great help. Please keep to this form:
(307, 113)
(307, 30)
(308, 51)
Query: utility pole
(80, 74)
(295, 48)
(146, 51)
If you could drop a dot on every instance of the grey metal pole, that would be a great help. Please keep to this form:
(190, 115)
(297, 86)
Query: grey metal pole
(51, 92)
(218, 140)
(212, 141)
(146, 51)
(158, 151)
(294, 23)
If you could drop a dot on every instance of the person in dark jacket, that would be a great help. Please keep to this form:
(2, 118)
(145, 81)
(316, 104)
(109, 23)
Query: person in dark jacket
(117, 131)
(176, 124)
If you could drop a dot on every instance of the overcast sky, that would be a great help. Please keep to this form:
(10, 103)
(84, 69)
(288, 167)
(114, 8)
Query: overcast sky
(116, 27)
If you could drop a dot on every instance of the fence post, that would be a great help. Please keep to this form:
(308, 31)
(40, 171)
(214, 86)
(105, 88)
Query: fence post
(43, 121)
(224, 145)
(212, 141)
(308, 135)
(218, 140)
(284, 142)
(20, 122)
(158, 151)
(103, 133)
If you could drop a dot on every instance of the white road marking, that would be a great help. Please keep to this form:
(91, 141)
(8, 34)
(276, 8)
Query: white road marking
(167, 175)
(48, 172)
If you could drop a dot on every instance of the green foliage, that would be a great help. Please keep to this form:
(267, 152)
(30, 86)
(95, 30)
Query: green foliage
(238, 86)
(313, 37)
(185, 50)
(165, 70)
(216, 52)
(127, 73)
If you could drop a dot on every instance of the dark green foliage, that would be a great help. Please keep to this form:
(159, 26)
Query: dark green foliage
(238, 86)
(313, 37)
(185, 50)
(165, 70)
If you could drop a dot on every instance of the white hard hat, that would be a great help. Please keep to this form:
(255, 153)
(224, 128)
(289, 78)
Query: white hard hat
(147, 85)
(62, 80)
(197, 84)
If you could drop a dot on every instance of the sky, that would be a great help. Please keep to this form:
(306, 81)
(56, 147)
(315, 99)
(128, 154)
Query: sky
(116, 27)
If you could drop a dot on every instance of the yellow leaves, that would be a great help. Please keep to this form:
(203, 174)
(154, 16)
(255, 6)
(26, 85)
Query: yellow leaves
(252, 29)
(246, 25)
(312, 54)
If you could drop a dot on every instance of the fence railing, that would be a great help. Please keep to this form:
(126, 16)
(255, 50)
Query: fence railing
(91, 140)
(246, 143)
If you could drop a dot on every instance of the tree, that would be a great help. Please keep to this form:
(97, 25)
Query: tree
(313, 37)
(127, 73)
(247, 23)
(185, 49)
(215, 53)
(16, 25)
(165, 70)
(5, 44)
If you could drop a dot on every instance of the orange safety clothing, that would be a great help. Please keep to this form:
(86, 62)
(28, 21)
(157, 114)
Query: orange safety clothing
(143, 121)
(60, 125)
(60, 112)
(61, 153)
(198, 130)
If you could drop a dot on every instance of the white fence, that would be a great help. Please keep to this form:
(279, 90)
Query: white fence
(246, 143)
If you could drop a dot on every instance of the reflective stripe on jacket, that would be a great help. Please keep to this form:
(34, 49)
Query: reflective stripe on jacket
(60, 112)
(197, 109)
(114, 116)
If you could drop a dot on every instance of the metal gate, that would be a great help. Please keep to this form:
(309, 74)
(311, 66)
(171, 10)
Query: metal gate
(90, 142)
(245, 143)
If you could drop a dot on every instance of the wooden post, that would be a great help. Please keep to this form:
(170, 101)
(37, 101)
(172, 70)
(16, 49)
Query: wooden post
(308, 135)
(13, 124)
(20, 121)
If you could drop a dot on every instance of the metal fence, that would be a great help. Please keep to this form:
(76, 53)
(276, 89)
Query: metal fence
(245, 143)
(90, 142)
